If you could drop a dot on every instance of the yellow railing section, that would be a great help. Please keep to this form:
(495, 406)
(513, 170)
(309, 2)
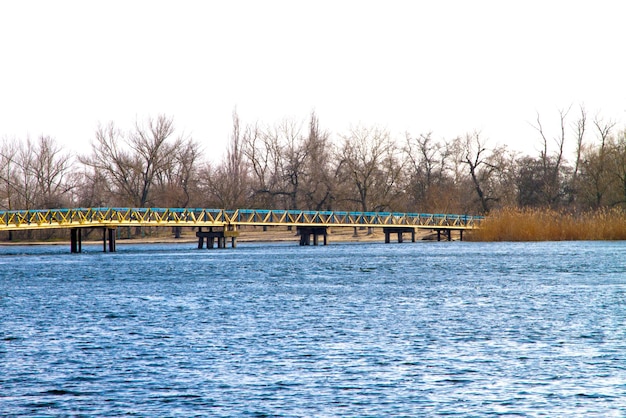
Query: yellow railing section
(114, 217)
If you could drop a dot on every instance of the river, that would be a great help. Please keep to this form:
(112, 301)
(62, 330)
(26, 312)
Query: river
(413, 329)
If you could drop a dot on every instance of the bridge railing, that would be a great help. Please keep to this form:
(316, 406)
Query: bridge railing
(342, 218)
(93, 217)
(112, 217)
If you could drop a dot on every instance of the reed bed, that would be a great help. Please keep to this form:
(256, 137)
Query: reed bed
(549, 225)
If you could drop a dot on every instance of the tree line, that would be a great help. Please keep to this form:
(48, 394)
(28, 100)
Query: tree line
(300, 165)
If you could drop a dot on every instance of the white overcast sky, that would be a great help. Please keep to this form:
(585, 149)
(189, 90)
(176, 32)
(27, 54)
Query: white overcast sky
(446, 67)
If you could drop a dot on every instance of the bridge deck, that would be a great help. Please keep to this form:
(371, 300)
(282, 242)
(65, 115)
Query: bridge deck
(195, 217)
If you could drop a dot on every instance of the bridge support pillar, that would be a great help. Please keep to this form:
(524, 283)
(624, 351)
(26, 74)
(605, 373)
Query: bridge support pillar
(76, 240)
(446, 232)
(220, 236)
(108, 239)
(400, 231)
(306, 232)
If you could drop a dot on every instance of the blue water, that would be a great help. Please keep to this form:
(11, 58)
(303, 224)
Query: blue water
(423, 329)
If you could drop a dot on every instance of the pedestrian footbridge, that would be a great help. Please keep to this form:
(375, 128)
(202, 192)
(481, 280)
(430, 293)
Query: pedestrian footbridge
(220, 224)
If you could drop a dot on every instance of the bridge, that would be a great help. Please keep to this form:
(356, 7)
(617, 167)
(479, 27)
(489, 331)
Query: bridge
(220, 224)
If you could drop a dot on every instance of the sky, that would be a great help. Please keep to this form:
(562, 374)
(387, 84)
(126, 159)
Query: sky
(445, 67)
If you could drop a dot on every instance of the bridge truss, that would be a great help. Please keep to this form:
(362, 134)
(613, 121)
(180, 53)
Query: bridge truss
(229, 219)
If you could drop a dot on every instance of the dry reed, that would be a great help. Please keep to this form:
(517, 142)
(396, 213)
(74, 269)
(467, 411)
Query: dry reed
(549, 225)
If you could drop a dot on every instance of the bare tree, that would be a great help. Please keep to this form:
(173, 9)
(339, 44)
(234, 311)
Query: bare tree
(35, 174)
(291, 154)
(595, 176)
(370, 168)
(152, 153)
(305, 170)
(228, 183)
(426, 161)
(482, 167)
(552, 162)
(237, 170)
(9, 169)
(281, 159)
(177, 181)
(617, 167)
(321, 173)
(132, 162)
(503, 181)
(51, 169)
(259, 152)
(25, 183)
(580, 127)
(93, 187)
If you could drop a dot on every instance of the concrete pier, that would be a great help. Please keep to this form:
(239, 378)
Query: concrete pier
(400, 231)
(76, 240)
(111, 234)
(220, 236)
(446, 232)
(306, 232)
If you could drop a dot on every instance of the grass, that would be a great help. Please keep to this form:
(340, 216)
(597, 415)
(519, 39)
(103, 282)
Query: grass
(550, 225)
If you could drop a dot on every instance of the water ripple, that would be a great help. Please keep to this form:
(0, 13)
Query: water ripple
(345, 330)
